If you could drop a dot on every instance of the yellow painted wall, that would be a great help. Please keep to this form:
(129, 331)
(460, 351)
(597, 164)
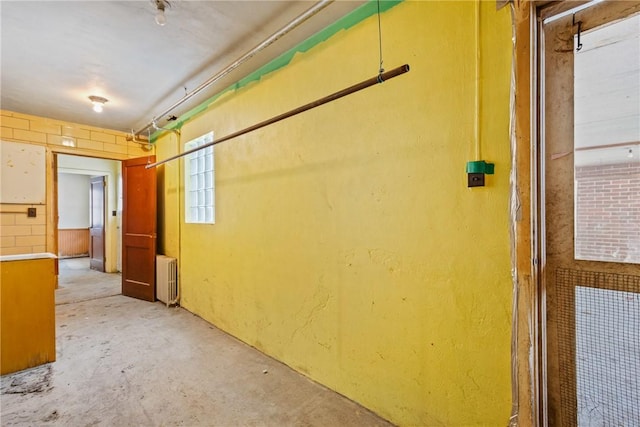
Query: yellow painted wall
(346, 243)
(27, 336)
(169, 202)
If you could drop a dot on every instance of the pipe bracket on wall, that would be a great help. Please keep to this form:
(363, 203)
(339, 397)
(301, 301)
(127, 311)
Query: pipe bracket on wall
(378, 79)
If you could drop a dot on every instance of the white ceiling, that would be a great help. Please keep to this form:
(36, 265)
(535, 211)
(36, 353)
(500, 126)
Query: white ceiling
(54, 54)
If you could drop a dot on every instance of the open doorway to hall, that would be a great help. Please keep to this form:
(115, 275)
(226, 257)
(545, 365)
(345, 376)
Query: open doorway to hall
(89, 206)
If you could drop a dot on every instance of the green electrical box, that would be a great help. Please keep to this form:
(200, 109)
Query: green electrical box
(476, 172)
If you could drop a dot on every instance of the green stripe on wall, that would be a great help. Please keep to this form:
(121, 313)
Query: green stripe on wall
(344, 23)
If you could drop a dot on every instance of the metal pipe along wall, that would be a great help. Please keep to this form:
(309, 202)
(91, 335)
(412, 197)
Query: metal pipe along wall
(329, 98)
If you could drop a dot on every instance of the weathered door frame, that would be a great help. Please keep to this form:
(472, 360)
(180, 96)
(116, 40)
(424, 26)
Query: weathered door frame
(52, 195)
(555, 148)
(529, 329)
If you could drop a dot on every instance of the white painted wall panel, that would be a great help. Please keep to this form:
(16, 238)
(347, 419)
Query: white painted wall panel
(73, 200)
(22, 173)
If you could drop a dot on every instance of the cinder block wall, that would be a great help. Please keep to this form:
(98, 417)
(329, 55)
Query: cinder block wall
(69, 136)
(20, 234)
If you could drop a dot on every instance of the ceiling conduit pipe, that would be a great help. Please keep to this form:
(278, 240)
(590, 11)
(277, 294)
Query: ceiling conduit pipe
(267, 42)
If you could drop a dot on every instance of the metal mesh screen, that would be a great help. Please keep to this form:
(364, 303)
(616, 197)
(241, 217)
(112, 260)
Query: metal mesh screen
(599, 339)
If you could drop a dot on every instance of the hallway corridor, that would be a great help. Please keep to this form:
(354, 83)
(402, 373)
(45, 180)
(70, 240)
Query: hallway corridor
(76, 282)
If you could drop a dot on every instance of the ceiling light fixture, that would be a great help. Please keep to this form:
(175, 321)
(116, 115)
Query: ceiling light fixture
(160, 7)
(98, 102)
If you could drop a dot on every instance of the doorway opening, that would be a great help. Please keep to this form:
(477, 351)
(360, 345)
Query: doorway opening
(88, 206)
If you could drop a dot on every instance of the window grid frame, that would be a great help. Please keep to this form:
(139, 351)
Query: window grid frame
(200, 182)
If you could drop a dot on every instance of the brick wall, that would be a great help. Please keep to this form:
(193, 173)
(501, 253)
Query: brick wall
(20, 234)
(608, 212)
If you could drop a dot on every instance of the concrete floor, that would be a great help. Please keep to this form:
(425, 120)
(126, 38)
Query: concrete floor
(76, 282)
(125, 362)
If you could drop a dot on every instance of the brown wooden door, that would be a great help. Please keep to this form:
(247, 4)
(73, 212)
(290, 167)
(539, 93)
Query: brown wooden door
(139, 229)
(96, 230)
(591, 292)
